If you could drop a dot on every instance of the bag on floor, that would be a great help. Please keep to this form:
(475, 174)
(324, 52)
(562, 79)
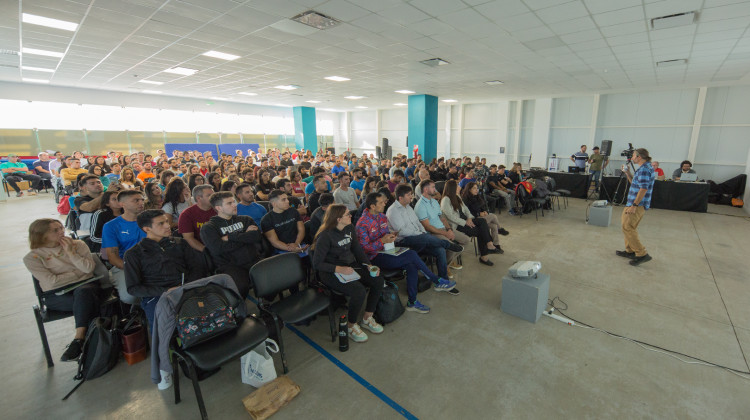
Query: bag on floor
(423, 284)
(101, 350)
(64, 206)
(389, 305)
(257, 364)
(268, 399)
(737, 202)
(134, 340)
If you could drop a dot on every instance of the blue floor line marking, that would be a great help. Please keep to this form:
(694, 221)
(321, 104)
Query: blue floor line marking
(362, 381)
(339, 364)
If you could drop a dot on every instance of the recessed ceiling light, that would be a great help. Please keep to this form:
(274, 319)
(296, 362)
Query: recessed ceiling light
(313, 102)
(151, 91)
(50, 23)
(494, 82)
(337, 78)
(35, 80)
(285, 105)
(287, 87)
(361, 107)
(27, 68)
(449, 100)
(219, 98)
(434, 62)
(248, 93)
(405, 92)
(316, 20)
(671, 21)
(667, 63)
(181, 70)
(353, 97)
(150, 82)
(45, 53)
(221, 55)
(399, 104)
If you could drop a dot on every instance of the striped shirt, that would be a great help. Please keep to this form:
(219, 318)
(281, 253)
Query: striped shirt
(642, 179)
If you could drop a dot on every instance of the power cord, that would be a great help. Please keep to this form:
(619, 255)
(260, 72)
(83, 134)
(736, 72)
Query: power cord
(651, 347)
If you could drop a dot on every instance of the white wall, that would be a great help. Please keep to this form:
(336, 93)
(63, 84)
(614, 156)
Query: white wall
(746, 196)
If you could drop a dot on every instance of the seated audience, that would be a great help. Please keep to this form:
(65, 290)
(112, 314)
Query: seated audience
(246, 205)
(154, 199)
(41, 167)
(283, 226)
(128, 181)
(264, 187)
(344, 194)
(109, 208)
(337, 251)
(372, 231)
(321, 186)
(397, 177)
(434, 222)
(192, 218)
(316, 218)
(658, 171)
(478, 208)
(286, 187)
(176, 200)
(57, 261)
(119, 235)
(70, 174)
(233, 241)
(89, 200)
(460, 218)
(501, 186)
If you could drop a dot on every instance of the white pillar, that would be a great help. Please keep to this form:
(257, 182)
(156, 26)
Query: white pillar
(540, 135)
(697, 124)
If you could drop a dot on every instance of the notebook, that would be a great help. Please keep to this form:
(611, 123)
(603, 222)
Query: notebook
(347, 278)
(76, 285)
(396, 251)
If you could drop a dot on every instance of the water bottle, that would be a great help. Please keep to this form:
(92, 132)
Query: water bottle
(343, 334)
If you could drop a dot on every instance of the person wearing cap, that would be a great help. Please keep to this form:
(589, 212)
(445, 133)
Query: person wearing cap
(15, 171)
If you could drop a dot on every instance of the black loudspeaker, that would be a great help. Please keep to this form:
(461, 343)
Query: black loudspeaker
(606, 148)
(390, 153)
(378, 152)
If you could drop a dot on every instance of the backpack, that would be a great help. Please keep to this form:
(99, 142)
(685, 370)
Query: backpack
(64, 206)
(541, 190)
(206, 312)
(389, 305)
(101, 350)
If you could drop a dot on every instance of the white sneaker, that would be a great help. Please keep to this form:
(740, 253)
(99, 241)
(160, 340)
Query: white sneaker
(166, 381)
(357, 335)
(372, 325)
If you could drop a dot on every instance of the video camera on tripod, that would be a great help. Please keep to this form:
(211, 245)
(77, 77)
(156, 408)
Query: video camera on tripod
(628, 153)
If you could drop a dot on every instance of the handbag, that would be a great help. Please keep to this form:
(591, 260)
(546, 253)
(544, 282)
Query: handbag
(257, 364)
(134, 340)
(389, 306)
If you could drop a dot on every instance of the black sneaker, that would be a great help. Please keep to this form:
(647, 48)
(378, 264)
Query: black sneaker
(503, 232)
(497, 250)
(640, 260)
(455, 247)
(625, 254)
(454, 292)
(73, 351)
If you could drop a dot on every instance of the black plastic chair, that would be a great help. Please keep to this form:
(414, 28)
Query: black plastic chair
(536, 202)
(265, 204)
(215, 352)
(273, 275)
(559, 192)
(440, 186)
(43, 315)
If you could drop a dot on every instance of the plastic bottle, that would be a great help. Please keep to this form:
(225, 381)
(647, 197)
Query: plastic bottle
(343, 334)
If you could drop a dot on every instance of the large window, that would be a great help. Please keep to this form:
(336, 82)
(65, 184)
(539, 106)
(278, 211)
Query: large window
(20, 142)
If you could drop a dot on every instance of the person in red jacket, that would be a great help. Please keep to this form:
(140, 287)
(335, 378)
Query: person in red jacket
(373, 234)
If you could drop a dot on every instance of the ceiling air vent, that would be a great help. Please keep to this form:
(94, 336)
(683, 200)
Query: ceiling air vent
(668, 63)
(434, 62)
(671, 21)
(316, 20)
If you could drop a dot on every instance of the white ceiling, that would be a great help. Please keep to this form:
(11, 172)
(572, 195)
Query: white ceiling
(537, 47)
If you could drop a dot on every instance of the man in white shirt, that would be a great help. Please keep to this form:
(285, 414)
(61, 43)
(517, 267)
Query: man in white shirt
(345, 195)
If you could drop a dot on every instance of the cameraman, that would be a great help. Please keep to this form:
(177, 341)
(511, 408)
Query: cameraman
(639, 200)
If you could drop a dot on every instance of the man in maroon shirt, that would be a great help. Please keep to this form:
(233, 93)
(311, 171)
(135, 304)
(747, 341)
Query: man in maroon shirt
(193, 217)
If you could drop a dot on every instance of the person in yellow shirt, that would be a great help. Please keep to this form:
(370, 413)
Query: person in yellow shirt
(70, 174)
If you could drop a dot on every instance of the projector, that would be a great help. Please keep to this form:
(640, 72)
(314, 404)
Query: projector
(599, 203)
(524, 268)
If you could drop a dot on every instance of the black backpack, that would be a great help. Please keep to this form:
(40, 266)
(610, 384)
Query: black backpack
(101, 350)
(389, 305)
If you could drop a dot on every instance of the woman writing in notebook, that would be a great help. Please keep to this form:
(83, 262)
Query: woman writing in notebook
(56, 261)
(337, 255)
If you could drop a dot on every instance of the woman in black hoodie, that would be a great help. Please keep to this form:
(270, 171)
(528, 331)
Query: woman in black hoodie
(337, 252)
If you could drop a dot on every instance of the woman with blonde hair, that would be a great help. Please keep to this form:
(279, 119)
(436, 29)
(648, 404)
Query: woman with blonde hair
(128, 180)
(57, 261)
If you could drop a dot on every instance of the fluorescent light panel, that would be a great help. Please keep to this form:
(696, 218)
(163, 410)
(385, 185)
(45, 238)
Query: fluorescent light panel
(248, 93)
(181, 70)
(361, 107)
(45, 53)
(405, 92)
(399, 104)
(151, 91)
(221, 55)
(48, 22)
(287, 87)
(337, 78)
(35, 80)
(449, 100)
(353, 97)
(150, 82)
(313, 102)
(27, 68)
(494, 82)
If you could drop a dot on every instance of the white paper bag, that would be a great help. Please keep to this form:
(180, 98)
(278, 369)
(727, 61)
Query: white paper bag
(257, 365)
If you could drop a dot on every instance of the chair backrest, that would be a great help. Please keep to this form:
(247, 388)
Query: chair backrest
(440, 186)
(552, 184)
(265, 204)
(280, 272)
(38, 291)
(308, 233)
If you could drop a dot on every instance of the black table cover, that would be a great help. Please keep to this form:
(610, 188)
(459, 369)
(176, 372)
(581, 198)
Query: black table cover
(669, 195)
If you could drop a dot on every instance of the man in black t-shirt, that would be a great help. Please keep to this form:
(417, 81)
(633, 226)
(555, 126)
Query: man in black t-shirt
(321, 186)
(286, 187)
(283, 225)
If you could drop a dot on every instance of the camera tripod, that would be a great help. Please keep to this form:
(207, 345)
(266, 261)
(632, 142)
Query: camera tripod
(623, 176)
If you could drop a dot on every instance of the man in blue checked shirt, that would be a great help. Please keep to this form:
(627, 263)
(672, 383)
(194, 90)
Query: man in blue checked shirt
(639, 200)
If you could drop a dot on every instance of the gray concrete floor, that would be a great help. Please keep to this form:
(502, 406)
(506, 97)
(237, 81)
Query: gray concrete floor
(466, 358)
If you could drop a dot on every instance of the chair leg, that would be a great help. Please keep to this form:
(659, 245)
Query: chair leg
(474, 241)
(176, 378)
(197, 388)
(332, 322)
(277, 327)
(43, 335)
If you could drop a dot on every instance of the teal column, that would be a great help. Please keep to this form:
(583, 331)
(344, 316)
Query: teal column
(305, 131)
(423, 115)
